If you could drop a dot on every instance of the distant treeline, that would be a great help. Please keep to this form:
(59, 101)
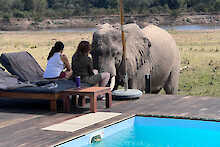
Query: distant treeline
(67, 8)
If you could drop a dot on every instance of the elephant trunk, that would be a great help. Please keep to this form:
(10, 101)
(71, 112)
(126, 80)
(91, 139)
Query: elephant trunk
(107, 65)
(112, 83)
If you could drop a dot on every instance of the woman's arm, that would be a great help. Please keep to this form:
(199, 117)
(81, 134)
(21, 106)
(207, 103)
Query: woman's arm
(66, 62)
(90, 66)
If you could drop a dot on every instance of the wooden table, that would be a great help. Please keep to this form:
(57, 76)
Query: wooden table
(92, 93)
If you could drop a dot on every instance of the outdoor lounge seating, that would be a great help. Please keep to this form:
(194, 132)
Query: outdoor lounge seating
(23, 65)
(35, 87)
(11, 87)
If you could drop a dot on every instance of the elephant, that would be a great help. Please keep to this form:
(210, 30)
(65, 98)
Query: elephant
(149, 50)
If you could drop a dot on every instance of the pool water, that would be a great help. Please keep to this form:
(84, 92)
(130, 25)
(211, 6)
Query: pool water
(155, 132)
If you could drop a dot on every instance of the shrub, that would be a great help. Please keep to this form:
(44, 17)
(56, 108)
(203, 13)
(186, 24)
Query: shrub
(18, 14)
(6, 18)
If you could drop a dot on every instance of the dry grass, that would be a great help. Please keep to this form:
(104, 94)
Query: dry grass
(40, 43)
(200, 54)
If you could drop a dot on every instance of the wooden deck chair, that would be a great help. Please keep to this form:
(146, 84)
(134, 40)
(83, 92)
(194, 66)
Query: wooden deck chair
(23, 65)
(26, 68)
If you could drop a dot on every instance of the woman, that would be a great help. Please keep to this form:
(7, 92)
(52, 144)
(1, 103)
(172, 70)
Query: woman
(82, 66)
(57, 62)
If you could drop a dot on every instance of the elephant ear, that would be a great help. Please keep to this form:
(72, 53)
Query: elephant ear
(137, 48)
(146, 51)
(146, 40)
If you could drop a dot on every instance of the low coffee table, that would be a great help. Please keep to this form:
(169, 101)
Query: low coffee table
(92, 93)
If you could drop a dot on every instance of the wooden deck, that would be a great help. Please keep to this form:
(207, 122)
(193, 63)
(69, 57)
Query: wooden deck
(21, 120)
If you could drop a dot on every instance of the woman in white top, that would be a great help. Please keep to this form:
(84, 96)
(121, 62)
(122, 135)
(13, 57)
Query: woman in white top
(57, 62)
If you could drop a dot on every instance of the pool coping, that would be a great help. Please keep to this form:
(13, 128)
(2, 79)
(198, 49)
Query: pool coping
(124, 117)
(108, 123)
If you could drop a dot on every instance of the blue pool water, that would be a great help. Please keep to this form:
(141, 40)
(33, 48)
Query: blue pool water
(154, 132)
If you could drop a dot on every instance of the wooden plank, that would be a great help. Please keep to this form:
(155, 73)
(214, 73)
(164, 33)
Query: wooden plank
(88, 89)
(23, 95)
(93, 103)
(27, 130)
(44, 96)
(108, 102)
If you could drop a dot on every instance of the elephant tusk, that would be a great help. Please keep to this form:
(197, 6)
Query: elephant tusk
(112, 84)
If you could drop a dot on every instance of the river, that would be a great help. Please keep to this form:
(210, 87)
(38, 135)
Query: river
(167, 27)
(191, 27)
(178, 27)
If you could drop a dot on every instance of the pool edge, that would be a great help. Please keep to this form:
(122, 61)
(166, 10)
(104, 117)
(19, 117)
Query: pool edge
(126, 117)
(111, 122)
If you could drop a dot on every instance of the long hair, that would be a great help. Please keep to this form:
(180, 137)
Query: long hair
(56, 48)
(83, 47)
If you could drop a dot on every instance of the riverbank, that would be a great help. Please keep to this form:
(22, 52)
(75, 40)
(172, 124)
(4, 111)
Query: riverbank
(91, 21)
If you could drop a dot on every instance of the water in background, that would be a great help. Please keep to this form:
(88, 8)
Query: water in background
(177, 27)
(87, 30)
(63, 30)
(190, 27)
(80, 30)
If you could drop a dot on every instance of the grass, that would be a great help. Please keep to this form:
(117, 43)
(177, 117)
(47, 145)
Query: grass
(40, 43)
(200, 57)
(200, 54)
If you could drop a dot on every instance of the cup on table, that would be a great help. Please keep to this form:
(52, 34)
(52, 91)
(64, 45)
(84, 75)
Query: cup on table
(77, 81)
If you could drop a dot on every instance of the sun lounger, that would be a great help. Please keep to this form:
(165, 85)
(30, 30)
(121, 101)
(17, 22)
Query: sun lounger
(25, 67)
(8, 81)
(51, 91)
(29, 72)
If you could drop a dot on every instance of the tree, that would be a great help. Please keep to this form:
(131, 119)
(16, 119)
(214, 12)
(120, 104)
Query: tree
(39, 6)
(28, 5)
(217, 5)
(6, 5)
(174, 4)
(100, 3)
(18, 4)
(113, 4)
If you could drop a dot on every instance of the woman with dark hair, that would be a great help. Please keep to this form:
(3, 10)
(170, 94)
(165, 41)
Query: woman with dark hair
(57, 62)
(82, 66)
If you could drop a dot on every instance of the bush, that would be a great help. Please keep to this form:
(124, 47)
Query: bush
(175, 13)
(18, 14)
(6, 18)
(38, 18)
(51, 13)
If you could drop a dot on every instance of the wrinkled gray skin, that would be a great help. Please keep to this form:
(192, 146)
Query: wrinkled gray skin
(151, 50)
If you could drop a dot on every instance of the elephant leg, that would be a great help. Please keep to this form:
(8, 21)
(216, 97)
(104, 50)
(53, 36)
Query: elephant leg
(171, 85)
(155, 91)
(116, 87)
(132, 84)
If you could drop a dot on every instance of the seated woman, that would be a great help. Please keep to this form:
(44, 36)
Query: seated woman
(82, 66)
(57, 62)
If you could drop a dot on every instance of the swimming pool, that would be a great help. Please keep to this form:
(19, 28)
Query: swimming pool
(153, 132)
